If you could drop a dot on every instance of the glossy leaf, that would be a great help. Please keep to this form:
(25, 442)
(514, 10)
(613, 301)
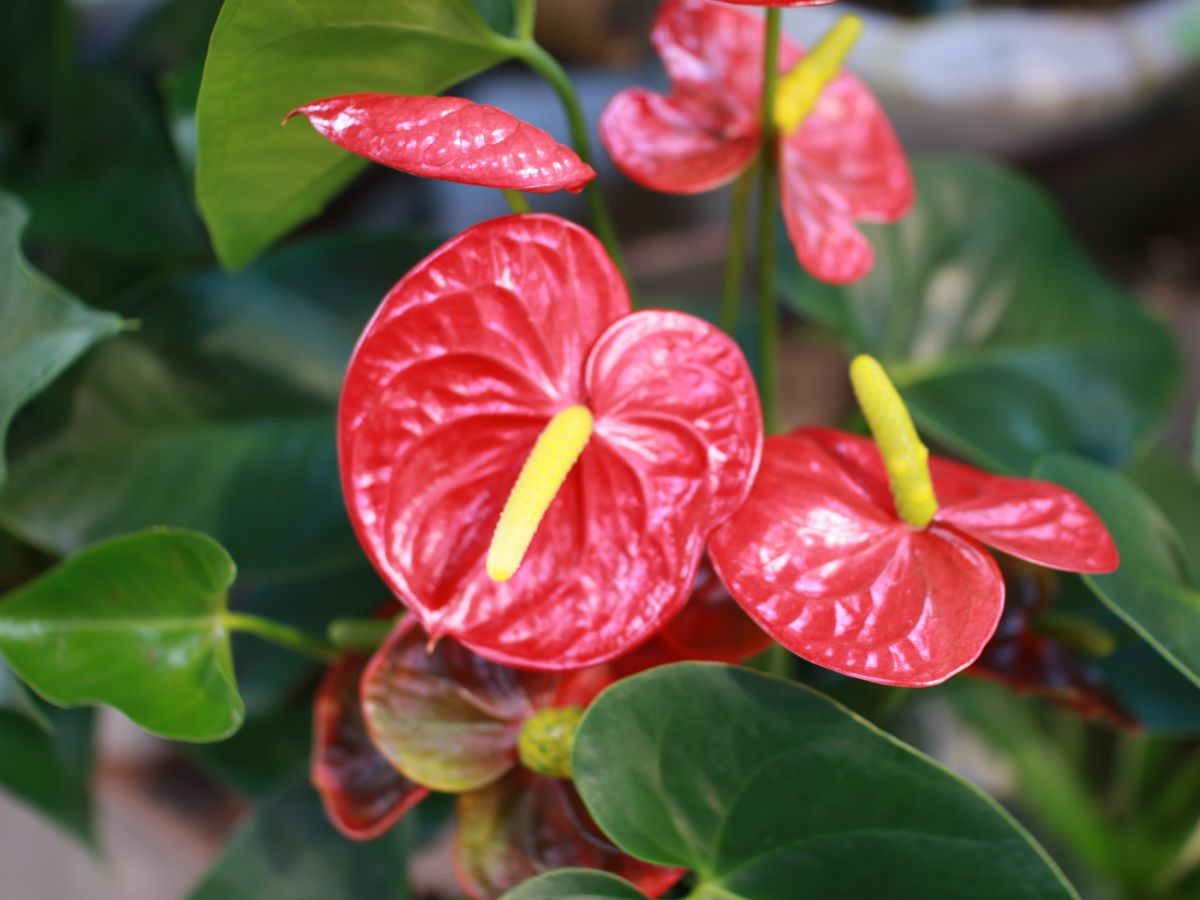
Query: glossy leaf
(362, 793)
(136, 623)
(446, 718)
(790, 790)
(575, 884)
(1151, 591)
(525, 824)
(820, 559)
(256, 181)
(467, 360)
(50, 768)
(288, 851)
(43, 329)
(1004, 338)
(450, 139)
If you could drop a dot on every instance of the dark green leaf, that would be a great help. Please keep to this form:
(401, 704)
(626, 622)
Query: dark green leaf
(42, 328)
(267, 752)
(1175, 490)
(51, 771)
(1003, 336)
(137, 623)
(255, 179)
(1151, 591)
(288, 851)
(575, 884)
(15, 699)
(760, 785)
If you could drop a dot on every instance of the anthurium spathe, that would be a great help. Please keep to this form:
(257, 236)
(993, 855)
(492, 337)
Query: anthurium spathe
(447, 719)
(840, 160)
(449, 138)
(532, 468)
(867, 559)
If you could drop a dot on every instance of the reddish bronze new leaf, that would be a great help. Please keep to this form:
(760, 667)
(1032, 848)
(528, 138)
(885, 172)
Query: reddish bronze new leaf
(362, 793)
(450, 139)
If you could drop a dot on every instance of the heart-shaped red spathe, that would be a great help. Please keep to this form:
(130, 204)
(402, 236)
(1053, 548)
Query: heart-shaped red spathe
(449, 138)
(842, 166)
(463, 366)
(362, 793)
(819, 558)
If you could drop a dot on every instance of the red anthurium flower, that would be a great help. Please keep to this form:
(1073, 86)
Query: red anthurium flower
(533, 469)
(1032, 653)
(449, 138)
(892, 587)
(501, 738)
(840, 161)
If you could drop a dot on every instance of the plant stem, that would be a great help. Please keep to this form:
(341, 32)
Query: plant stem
(360, 635)
(547, 66)
(736, 264)
(768, 313)
(526, 15)
(779, 661)
(284, 635)
(517, 201)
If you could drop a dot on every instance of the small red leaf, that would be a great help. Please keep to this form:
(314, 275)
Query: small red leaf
(526, 824)
(450, 139)
(445, 717)
(363, 794)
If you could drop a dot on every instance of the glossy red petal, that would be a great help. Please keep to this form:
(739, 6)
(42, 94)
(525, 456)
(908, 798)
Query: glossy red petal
(525, 825)
(846, 585)
(713, 626)
(1032, 520)
(844, 165)
(363, 794)
(445, 717)
(676, 145)
(1028, 661)
(449, 138)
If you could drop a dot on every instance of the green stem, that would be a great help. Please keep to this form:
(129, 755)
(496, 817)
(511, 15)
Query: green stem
(284, 635)
(768, 312)
(547, 66)
(360, 635)
(736, 264)
(517, 201)
(526, 15)
(779, 661)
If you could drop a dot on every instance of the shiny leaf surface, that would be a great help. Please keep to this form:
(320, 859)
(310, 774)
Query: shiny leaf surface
(1003, 337)
(256, 181)
(1152, 591)
(791, 790)
(136, 623)
(575, 884)
(467, 360)
(43, 329)
(288, 851)
(447, 718)
(362, 793)
(523, 825)
(451, 139)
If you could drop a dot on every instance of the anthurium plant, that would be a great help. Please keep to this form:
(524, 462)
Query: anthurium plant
(370, 520)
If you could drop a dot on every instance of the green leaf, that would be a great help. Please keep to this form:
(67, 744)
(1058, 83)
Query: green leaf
(257, 180)
(14, 698)
(267, 752)
(760, 785)
(137, 623)
(43, 329)
(1003, 336)
(1175, 490)
(575, 884)
(289, 851)
(51, 770)
(1151, 591)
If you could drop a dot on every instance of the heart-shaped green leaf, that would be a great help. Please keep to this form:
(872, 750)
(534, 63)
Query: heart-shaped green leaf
(1152, 590)
(1003, 336)
(43, 329)
(760, 785)
(289, 851)
(575, 884)
(255, 179)
(137, 623)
